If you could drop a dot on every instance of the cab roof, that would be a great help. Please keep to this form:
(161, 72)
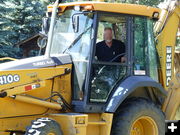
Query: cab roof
(123, 8)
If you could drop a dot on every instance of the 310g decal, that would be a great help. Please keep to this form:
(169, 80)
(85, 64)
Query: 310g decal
(7, 79)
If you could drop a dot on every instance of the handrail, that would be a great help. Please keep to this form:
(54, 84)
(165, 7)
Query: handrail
(7, 58)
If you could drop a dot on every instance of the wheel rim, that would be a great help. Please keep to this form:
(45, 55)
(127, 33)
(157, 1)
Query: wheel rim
(144, 126)
(51, 134)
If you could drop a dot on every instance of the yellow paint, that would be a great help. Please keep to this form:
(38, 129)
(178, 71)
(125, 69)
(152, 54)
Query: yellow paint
(4, 133)
(71, 124)
(171, 103)
(113, 7)
(144, 125)
(52, 79)
(7, 58)
(44, 77)
(28, 76)
(165, 39)
(38, 102)
(168, 38)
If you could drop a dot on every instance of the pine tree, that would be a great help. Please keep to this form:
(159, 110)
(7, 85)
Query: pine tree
(19, 20)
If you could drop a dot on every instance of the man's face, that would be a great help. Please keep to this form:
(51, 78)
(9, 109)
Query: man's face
(108, 35)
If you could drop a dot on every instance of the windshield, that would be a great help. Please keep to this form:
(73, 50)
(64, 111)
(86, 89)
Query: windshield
(64, 36)
(76, 44)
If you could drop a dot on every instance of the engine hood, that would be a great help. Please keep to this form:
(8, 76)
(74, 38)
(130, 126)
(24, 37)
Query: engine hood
(36, 62)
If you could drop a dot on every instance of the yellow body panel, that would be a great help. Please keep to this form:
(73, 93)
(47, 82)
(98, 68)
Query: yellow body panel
(71, 123)
(170, 71)
(28, 104)
(113, 7)
(172, 102)
(43, 77)
(16, 108)
(167, 38)
(28, 76)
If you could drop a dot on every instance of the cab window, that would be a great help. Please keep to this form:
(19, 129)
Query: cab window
(110, 48)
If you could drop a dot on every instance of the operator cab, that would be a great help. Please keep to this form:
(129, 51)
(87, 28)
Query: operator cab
(77, 33)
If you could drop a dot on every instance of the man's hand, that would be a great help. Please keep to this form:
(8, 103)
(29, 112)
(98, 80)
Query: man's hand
(123, 59)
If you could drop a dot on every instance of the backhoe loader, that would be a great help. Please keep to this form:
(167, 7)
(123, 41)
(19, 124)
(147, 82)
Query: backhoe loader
(68, 91)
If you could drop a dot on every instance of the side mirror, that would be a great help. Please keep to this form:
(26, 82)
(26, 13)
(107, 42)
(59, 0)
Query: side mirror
(42, 42)
(75, 23)
(45, 25)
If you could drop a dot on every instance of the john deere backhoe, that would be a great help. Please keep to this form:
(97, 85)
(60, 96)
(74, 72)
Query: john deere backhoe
(68, 91)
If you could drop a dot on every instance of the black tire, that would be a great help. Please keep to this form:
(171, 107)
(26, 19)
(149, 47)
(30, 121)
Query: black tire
(132, 110)
(44, 126)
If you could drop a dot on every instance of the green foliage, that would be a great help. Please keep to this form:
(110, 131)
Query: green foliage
(178, 44)
(47, 2)
(19, 20)
(10, 51)
(141, 2)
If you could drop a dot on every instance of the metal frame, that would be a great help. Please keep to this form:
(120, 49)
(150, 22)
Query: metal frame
(85, 105)
(95, 107)
(80, 105)
(51, 29)
(124, 90)
(132, 51)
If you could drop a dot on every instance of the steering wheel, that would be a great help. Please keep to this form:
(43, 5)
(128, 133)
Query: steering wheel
(117, 57)
(100, 91)
(100, 71)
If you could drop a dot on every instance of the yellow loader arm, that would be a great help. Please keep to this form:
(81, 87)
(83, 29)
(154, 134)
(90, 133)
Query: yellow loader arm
(172, 102)
(166, 31)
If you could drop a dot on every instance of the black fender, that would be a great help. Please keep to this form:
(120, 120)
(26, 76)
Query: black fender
(128, 86)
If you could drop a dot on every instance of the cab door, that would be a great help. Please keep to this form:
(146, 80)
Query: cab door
(105, 74)
(102, 77)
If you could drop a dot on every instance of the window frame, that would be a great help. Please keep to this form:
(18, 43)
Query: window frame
(85, 105)
(145, 51)
(88, 64)
(128, 63)
(153, 45)
(127, 53)
(94, 46)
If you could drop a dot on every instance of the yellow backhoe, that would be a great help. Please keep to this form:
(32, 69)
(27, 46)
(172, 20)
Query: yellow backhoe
(68, 91)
